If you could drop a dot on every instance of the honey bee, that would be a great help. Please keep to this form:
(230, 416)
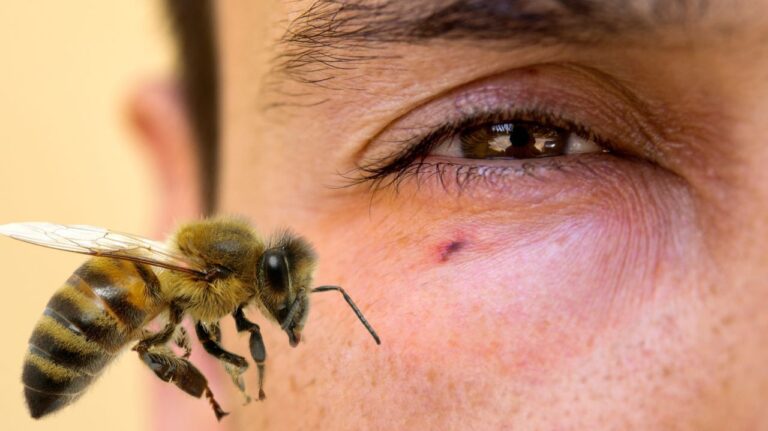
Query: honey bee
(207, 270)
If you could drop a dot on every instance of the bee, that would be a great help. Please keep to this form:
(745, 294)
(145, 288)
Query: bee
(207, 270)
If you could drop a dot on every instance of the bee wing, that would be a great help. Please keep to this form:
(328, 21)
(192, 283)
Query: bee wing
(98, 241)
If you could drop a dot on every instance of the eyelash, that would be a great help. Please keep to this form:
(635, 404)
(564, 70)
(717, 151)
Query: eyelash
(410, 162)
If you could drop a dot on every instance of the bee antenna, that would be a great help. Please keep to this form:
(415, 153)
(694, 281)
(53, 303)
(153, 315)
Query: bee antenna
(354, 308)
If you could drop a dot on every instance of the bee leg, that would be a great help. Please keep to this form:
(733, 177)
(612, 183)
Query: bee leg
(256, 344)
(165, 334)
(235, 373)
(179, 371)
(182, 340)
(234, 364)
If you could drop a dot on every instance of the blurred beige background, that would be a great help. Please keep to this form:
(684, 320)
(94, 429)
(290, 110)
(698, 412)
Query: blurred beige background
(67, 156)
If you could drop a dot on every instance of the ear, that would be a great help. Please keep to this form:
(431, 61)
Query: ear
(158, 115)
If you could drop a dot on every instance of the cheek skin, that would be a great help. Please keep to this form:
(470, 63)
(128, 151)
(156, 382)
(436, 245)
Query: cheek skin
(533, 286)
(475, 308)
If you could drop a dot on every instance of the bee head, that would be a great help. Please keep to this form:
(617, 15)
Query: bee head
(284, 274)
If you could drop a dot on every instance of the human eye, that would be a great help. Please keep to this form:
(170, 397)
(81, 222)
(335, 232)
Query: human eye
(497, 138)
(500, 136)
(517, 140)
(491, 148)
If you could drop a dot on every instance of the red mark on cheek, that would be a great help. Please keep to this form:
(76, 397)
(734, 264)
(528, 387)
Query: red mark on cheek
(448, 249)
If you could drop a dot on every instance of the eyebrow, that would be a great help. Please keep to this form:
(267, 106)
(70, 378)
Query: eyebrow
(337, 35)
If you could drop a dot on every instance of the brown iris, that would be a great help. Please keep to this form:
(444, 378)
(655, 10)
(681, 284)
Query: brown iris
(519, 140)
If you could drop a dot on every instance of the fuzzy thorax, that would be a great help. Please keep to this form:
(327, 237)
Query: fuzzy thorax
(205, 301)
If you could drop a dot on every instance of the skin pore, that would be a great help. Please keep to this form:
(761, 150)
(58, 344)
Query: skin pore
(605, 290)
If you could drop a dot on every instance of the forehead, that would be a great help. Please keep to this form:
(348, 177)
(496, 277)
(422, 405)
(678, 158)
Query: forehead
(308, 22)
(313, 41)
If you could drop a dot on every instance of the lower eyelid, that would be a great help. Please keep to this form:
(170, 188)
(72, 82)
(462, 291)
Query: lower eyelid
(525, 180)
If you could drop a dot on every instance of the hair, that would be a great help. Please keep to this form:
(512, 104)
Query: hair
(193, 28)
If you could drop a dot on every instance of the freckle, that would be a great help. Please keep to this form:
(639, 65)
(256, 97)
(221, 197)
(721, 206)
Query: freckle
(590, 342)
(447, 250)
(725, 385)
(294, 387)
(728, 320)
(542, 327)
(453, 342)
(492, 347)
(431, 375)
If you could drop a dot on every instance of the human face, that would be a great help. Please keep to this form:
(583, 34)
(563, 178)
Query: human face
(624, 289)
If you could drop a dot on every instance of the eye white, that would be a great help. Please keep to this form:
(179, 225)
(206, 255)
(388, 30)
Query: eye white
(580, 145)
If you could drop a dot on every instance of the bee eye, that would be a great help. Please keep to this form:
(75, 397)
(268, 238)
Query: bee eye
(274, 267)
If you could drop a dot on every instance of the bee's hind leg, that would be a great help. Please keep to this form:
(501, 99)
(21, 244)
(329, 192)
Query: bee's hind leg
(235, 365)
(256, 344)
(179, 371)
(169, 367)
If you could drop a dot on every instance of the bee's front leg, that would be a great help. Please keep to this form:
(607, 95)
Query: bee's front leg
(256, 344)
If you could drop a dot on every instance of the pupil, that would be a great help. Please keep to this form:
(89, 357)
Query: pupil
(521, 140)
(520, 137)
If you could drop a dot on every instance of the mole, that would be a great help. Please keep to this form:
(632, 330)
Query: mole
(450, 248)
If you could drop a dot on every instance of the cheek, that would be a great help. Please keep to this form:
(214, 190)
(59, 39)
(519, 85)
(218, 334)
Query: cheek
(459, 295)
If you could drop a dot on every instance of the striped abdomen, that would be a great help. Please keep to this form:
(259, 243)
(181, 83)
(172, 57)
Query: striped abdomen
(102, 306)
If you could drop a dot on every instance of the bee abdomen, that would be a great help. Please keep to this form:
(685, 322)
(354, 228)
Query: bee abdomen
(87, 321)
(48, 385)
(60, 363)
